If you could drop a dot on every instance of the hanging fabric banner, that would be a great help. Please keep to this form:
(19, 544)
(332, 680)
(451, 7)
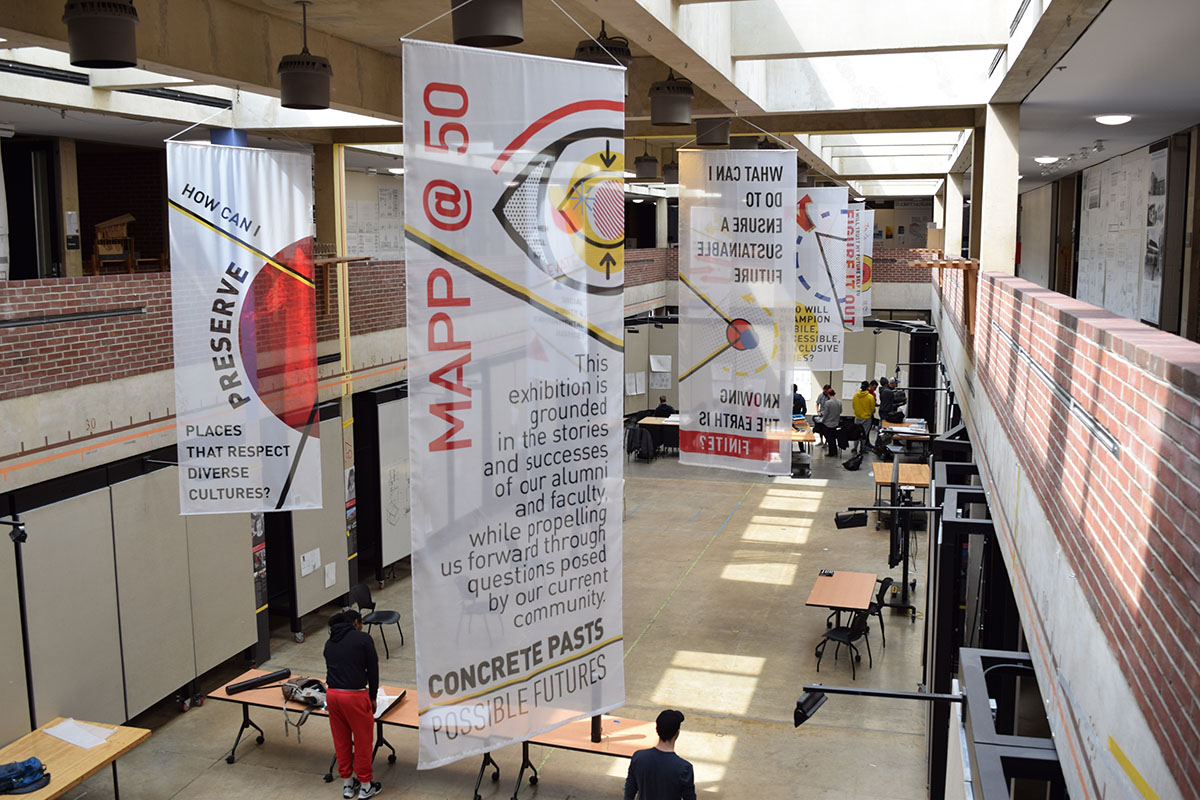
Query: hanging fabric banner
(736, 303)
(821, 273)
(866, 238)
(515, 227)
(852, 313)
(244, 314)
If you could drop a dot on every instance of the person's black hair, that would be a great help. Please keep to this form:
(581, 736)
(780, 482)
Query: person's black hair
(864, 386)
(351, 616)
(668, 723)
(336, 618)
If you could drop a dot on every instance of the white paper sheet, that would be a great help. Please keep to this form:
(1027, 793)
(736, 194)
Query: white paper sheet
(660, 380)
(660, 363)
(880, 371)
(630, 384)
(854, 372)
(640, 378)
(384, 701)
(80, 734)
(310, 562)
(330, 575)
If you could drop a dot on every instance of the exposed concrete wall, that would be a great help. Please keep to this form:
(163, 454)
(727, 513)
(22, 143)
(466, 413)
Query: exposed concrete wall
(1037, 223)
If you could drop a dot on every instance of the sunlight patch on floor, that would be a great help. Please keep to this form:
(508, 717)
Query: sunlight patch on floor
(704, 690)
(776, 574)
(719, 662)
(708, 752)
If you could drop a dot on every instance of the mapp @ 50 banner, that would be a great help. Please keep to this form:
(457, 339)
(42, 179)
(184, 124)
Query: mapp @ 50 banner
(515, 229)
(821, 271)
(736, 308)
(245, 328)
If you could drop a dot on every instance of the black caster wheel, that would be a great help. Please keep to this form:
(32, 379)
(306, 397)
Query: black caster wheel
(328, 778)
(299, 637)
(184, 706)
(477, 797)
(392, 758)
(495, 777)
(381, 585)
(828, 624)
(259, 739)
(229, 759)
(858, 659)
(533, 781)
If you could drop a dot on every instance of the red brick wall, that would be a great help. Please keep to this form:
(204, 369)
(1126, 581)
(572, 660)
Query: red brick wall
(952, 297)
(57, 355)
(650, 265)
(890, 265)
(1127, 522)
(118, 180)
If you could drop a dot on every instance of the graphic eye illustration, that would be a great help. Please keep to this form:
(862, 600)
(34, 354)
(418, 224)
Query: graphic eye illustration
(565, 209)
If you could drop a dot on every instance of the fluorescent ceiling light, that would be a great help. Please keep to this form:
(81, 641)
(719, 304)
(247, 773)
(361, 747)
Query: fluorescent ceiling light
(396, 170)
(1113, 119)
(1046, 159)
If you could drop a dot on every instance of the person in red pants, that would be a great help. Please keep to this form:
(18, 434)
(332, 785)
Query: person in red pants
(352, 678)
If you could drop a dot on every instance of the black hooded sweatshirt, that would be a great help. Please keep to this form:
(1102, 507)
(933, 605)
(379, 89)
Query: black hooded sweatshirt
(350, 659)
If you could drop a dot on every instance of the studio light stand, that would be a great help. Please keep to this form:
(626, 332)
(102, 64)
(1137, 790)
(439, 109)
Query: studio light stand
(860, 521)
(18, 536)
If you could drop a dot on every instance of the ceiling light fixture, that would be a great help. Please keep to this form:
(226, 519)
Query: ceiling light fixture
(617, 47)
(101, 33)
(1046, 159)
(303, 77)
(1113, 119)
(396, 170)
(712, 132)
(670, 172)
(671, 101)
(645, 166)
(487, 23)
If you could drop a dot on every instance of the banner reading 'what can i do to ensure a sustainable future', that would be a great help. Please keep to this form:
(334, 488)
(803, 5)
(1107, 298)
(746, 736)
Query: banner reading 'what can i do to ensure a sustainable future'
(515, 227)
(244, 326)
(737, 299)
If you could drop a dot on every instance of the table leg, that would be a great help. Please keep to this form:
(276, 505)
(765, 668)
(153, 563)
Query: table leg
(246, 723)
(525, 762)
(329, 774)
(116, 786)
(380, 741)
(487, 759)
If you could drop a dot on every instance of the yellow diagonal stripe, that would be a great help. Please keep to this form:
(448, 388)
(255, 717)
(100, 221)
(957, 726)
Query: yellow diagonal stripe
(1131, 770)
(258, 253)
(517, 288)
(523, 678)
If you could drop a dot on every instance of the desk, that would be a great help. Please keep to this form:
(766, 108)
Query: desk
(843, 591)
(67, 764)
(672, 421)
(403, 712)
(910, 475)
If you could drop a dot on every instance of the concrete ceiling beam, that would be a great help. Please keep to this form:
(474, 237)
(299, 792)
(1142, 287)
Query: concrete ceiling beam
(1038, 45)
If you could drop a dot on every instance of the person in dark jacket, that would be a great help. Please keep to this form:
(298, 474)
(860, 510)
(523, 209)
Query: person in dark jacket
(664, 409)
(352, 678)
(799, 407)
(656, 773)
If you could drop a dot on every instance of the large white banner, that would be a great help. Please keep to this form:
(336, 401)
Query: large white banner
(736, 303)
(243, 308)
(515, 227)
(852, 314)
(866, 237)
(821, 274)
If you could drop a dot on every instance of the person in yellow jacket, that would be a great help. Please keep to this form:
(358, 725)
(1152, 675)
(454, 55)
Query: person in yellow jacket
(864, 412)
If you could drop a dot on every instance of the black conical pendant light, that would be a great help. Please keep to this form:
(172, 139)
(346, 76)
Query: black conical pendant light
(713, 132)
(671, 101)
(594, 51)
(645, 166)
(303, 77)
(101, 34)
(488, 23)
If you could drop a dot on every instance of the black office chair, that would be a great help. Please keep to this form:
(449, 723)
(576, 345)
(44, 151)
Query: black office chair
(361, 595)
(848, 635)
(876, 608)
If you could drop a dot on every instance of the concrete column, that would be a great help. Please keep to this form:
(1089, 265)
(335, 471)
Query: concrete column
(68, 193)
(977, 167)
(998, 203)
(939, 208)
(660, 222)
(954, 213)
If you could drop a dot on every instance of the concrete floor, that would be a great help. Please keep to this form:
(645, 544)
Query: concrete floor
(717, 568)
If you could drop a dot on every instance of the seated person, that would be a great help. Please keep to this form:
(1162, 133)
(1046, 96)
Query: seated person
(664, 408)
